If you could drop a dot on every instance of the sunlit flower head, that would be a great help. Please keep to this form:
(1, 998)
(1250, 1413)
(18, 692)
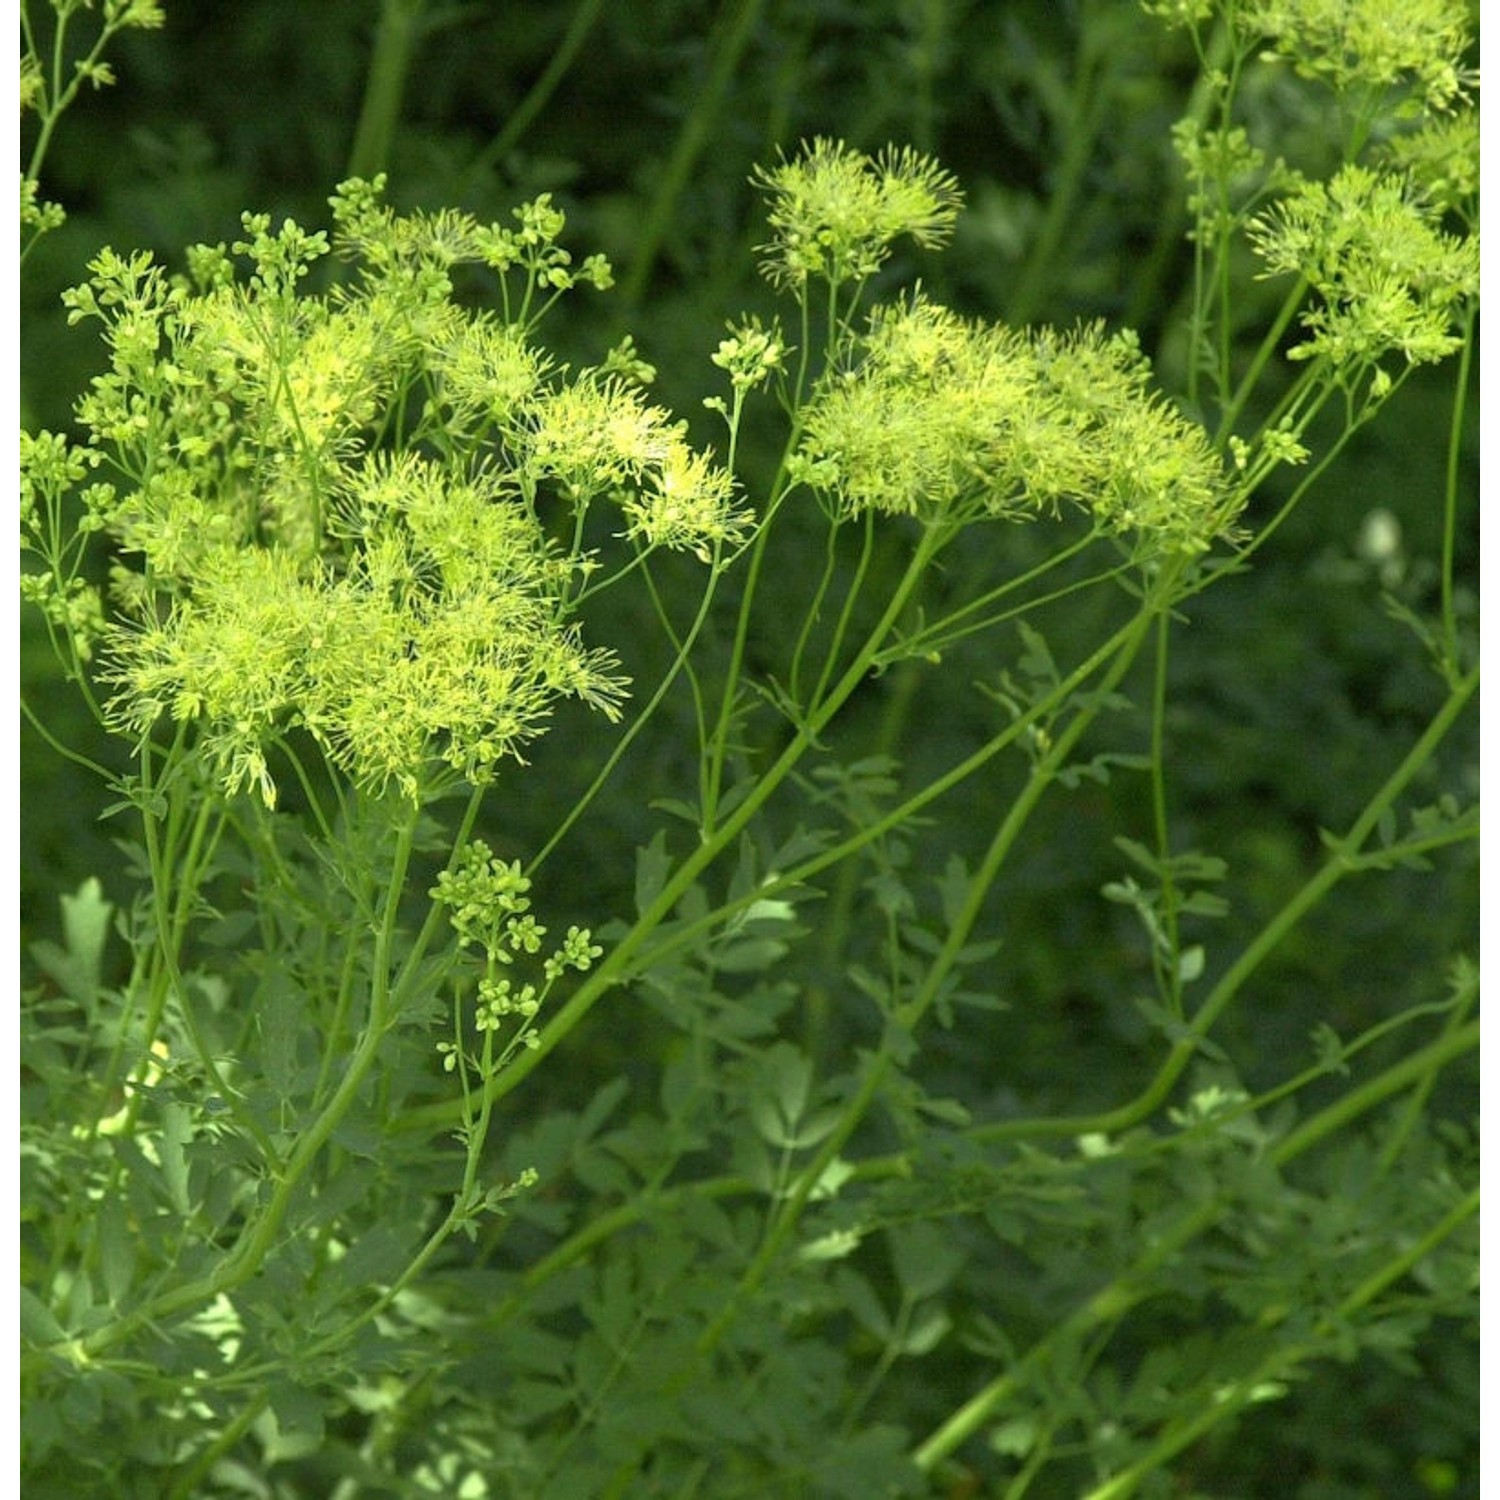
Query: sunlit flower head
(835, 212)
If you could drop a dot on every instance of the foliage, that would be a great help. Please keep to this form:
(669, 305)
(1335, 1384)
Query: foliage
(743, 954)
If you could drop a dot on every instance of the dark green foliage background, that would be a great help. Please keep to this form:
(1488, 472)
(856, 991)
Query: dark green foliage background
(1291, 682)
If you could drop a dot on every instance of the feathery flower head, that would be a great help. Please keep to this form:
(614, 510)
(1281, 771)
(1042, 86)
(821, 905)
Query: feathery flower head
(835, 212)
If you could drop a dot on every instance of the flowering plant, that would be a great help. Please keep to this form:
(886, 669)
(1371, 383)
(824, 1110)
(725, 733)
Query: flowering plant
(341, 547)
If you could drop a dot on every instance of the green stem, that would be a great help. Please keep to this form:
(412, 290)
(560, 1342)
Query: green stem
(910, 1015)
(736, 27)
(687, 934)
(620, 962)
(1284, 1360)
(1450, 492)
(680, 661)
(260, 1235)
(540, 92)
(396, 36)
(1343, 860)
(185, 1486)
(1466, 994)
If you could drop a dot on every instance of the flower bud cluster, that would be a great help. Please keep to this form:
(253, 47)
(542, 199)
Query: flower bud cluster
(489, 909)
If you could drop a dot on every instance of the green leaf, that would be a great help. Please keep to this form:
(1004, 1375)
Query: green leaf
(652, 866)
(177, 1132)
(924, 1258)
(378, 1255)
(117, 1246)
(78, 966)
(280, 1012)
(38, 1326)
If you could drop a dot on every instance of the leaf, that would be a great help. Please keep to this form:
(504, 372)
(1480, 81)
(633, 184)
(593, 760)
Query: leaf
(298, 1423)
(780, 1096)
(176, 1133)
(604, 1103)
(652, 865)
(927, 1331)
(116, 1249)
(38, 1326)
(280, 1012)
(924, 1258)
(77, 967)
(859, 1297)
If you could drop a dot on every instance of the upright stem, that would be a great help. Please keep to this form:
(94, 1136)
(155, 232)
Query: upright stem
(396, 36)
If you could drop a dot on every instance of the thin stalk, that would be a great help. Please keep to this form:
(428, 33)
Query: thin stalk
(1343, 860)
(900, 1164)
(683, 650)
(185, 1486)
(1282, 1361)
(846, 614)
(1450, 492)
(815, 609)
(910, 1015)
(1250, 381)
(1168, 974)
(733, 37)
(620, 962)
(520, 118)
(1416, 1106)
(905, 811)
(396, 36)
(260, 1235)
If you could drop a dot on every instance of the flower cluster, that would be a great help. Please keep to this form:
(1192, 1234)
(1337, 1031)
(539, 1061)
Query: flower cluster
(1353, 45)
(487, 901)
(1369, 44)
(947, 419)
(1441, 160)
(835, 212)
(432, 638)
(489, 909)
(330, 510)
(597, 436)
(368, 230)
(751, 354)
(1388, 277)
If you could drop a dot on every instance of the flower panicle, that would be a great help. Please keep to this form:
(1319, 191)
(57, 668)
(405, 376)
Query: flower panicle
(835, 212)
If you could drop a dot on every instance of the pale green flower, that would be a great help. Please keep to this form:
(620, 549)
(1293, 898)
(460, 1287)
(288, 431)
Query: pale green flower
(599, 437)
(1376, 44)
(1441, 160)
(1388, 277)
(835, 212)
(946, 419)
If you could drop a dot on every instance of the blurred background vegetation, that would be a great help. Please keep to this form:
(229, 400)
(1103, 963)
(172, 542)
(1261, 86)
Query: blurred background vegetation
(1296, 688)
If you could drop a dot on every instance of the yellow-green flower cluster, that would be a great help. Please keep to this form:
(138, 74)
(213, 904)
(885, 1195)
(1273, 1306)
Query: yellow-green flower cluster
(1441, 160)
(1388, 277)
(332, 509)
(1369, 44)
(947, 419)
(835, 212)
(598, 436)
(1352, 45)
(432, 638)
(490, 910)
